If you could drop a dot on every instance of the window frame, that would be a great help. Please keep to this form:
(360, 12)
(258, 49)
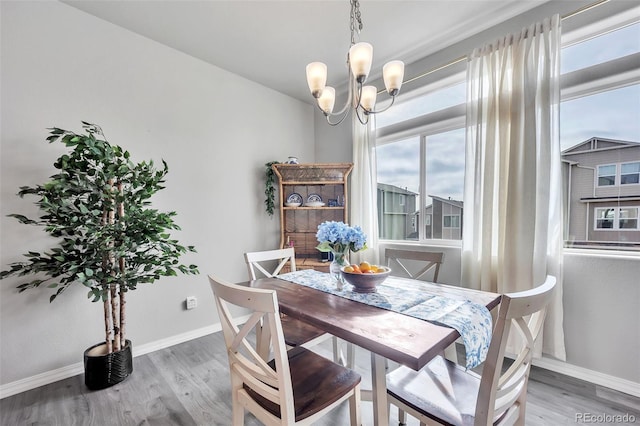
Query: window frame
(616, 218)
(615, 175)
(451, 216)
(633, 173)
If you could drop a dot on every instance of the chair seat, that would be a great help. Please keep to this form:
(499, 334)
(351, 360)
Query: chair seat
(443, 389)
(317, 382)
(297, 333)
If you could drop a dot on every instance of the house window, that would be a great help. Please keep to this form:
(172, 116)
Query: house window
(451, 221)
(629, 173)
(605, 218)
(614, 218)
(607, 175)
(628, 218)
(403, 199)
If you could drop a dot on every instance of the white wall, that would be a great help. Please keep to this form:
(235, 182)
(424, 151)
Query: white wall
(215, 130)
(600, 299)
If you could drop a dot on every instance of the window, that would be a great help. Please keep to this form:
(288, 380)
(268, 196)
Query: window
(628, 218)
(607, 175)
(596, 50)
(600, 138)
(421, 143)
(430, 166)
(613, 218)
(451, 221)
(402, 199)
(605, 218)
(630, 173)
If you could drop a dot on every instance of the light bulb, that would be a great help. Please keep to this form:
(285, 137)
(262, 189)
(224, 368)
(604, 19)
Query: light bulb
(360, 58)
(393, 73)
(368, 98)
(327, 100)
(316, 78)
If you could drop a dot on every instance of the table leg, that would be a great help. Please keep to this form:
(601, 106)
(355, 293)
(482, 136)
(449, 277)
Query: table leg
(379, 391)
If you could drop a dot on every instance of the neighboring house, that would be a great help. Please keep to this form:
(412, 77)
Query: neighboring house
(603, 187)
(396, 208)
(443, 220)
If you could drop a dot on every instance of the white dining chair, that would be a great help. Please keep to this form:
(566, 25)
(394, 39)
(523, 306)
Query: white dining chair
(270, 263)
(296, 387)
(396, 260)
(446, 393)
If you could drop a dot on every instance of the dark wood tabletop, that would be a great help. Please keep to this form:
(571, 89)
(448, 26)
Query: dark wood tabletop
(395, 336)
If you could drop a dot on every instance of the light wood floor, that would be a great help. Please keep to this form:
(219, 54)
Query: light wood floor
(188, 384)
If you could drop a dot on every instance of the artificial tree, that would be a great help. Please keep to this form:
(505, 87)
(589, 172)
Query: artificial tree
(109, 238)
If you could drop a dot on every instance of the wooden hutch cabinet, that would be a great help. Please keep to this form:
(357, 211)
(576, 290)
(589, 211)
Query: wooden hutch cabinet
(322, 191)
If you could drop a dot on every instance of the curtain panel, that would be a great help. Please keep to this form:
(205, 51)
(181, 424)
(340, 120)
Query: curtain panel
(364, 189)
(513, 223)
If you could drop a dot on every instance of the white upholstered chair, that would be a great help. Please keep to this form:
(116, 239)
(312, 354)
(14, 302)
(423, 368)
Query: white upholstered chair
(445, 393)
(394, 259)
(296, 387)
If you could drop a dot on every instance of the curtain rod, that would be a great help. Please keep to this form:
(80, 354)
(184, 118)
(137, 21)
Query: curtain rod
(463, 58)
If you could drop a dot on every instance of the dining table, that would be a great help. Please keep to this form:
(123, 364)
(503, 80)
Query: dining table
(386, 334)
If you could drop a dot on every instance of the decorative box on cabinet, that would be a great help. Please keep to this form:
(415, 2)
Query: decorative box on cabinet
(299, 225)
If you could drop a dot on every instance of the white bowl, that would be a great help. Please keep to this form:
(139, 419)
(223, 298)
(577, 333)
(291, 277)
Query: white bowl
(314, 204)
(292, 204)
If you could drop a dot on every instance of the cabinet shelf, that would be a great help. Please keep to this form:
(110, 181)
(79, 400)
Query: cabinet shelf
(313, 208)
(299, 225)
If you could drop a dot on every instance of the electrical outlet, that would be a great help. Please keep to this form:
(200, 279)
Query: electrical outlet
(191, 302)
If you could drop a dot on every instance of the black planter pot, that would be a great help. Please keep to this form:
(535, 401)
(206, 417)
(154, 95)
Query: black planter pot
(102, 370)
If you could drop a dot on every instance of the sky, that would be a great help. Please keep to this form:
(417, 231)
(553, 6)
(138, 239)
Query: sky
(613, 114)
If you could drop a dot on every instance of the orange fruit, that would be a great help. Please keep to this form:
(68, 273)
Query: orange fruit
(365, 266)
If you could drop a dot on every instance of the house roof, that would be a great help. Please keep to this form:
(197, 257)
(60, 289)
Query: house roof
(395, 189)
(456, 203)
(599, 144)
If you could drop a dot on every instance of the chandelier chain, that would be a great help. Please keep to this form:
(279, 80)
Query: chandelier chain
(355, 17)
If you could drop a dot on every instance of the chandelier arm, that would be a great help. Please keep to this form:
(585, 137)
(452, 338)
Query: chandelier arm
(393, 99)
(347, 105)
(362, 120)
(337, 122)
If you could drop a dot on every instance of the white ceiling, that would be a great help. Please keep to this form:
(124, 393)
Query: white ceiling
(271, 42)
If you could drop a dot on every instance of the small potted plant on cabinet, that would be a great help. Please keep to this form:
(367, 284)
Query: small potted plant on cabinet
(109, 239)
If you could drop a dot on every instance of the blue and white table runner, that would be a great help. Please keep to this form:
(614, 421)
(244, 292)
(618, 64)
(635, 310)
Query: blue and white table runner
(471, 320)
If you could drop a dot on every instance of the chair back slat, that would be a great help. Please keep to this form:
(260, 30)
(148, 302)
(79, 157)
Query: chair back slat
(500, 392)
(256, 261)
(271, 382)
(394, 258)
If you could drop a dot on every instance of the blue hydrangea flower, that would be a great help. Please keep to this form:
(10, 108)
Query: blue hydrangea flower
(338, 237)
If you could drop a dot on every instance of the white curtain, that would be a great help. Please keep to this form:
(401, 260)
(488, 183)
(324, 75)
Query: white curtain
(512, 236)
(363, 192)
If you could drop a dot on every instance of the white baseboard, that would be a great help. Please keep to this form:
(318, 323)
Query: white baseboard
(47, 377)
(612, 382)
(606, 380)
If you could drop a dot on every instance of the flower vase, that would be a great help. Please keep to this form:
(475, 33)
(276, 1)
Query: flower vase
(339, 260)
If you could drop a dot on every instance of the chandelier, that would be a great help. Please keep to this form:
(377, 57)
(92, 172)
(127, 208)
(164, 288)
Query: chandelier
(361, 98)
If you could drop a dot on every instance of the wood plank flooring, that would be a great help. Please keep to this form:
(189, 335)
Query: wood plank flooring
(188, 384)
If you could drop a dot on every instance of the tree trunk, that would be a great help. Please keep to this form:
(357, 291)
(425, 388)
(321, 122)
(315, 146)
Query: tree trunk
(123, 318)
(115, 314)
(121, 265)
(107, 323)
